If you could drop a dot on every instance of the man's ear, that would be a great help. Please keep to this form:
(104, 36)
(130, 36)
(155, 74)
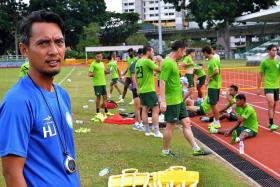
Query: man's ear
(23, 49)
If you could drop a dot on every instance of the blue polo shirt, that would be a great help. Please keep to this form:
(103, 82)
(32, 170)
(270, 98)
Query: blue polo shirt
(27, 129)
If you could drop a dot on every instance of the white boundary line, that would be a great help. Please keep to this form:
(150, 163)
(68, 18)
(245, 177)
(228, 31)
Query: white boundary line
(245, 155)
(68, 75)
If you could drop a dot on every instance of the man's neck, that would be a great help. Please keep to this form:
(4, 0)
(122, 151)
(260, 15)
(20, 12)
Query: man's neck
(172, 56)
(42, 81)
(271, 57)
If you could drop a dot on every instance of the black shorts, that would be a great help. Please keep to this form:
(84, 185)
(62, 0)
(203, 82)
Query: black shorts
(200, 111)
(213, 95)
(275, 92)
(190, 80)
(201, 80)
(232, 117)
(114, 81)
(100, 90)
(149, 99)
(127, 82)
(175, 113)
(134, 93)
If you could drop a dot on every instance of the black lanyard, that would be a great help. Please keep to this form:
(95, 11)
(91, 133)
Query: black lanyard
(63, 144)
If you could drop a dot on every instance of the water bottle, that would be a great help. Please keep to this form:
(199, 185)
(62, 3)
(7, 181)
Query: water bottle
(104, 172)
(241, 147)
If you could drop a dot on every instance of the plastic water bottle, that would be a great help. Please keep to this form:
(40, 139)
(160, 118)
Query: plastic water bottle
(241, 147)
(104, 172)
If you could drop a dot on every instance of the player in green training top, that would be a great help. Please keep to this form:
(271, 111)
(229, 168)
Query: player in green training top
(23, 69)
(201, 77)
(145, 68)
(97, 72)
(214, 82)
(131, 58)
(188, 64)
(115, 74)
(269, 69)
(247, 124)
(172, 103)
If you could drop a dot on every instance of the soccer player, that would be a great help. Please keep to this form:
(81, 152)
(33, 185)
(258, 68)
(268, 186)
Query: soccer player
(214, 51)
(269, 69)
(201, 77)
(188, 64)
(214, 82)
(97, 72)
(172, 100)
(23, 69)
(247, 124)
(145, 68)
(36, 129)
(135, 94)
(227, 111)
(115, 74)
(128, 80)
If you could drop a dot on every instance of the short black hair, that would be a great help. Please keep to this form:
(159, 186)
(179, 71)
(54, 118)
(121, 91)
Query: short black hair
(146, 49)
(234, 87)
(207, 49)
(271, 46)
(214, 47)
(177, 45)
(40, 16)
(241, 97)
(98, 52)
(140, 51)
(130, 50)
(189, 51)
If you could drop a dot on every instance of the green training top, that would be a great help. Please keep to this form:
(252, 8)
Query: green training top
(173, 87)
(23, 69)
(233, 100)
(129, 61)
(216, 81)
(199, 72)
(250, 117)
(187, 60)
(205, 105)
(145, 75)
(113, 69)
(99, 70)
(270, 69)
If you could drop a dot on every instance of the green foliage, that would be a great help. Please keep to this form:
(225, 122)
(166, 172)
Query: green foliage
(117, 27)
(137, 39)
(89, 37)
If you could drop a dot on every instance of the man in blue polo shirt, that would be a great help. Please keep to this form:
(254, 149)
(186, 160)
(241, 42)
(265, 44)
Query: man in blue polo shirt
(36, 133)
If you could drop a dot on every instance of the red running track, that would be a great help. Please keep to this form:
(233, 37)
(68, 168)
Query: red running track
(263, 150)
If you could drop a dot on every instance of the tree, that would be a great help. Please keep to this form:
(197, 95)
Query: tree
(10, 13)
(220, 14)
(117, 27)
(76, 15)
(137, 39)
(89, 37)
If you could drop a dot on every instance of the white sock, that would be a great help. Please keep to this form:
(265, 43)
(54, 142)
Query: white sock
(156, 129)
(147, 128)
(196, 148)
(165, 151)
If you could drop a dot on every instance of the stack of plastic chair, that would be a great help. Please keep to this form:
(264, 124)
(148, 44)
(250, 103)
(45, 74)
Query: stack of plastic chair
(129, 178)
(175, 176)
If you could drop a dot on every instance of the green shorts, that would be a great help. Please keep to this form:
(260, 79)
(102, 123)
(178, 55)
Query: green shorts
(275, 92)
(213, 95)
(190, 80)
(200, 111)
(149, 99)
(175, 113)
(114, 81)
(201, 80)
(250, 133)
(100, 90)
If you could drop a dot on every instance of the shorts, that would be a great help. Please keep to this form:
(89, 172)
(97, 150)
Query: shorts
(114, 81)
(149, 99)
(190, 80)
(232, 117)
(127, 82)
(213, 95)
(134, 93)
(200, 111)
(250, 133)
(100, 90)
(272, 91)
(201, 80)
(175, 113)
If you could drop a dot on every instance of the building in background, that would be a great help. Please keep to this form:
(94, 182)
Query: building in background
(148, 12)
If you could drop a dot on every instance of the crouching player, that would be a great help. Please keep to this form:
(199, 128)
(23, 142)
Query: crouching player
(247, 124)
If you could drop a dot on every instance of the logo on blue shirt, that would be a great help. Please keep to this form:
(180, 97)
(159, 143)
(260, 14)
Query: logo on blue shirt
(49, 127)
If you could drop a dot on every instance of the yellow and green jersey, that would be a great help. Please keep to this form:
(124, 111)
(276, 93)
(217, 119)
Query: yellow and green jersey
(129, 61)
(188, 60)
(270, 69)
(23, 69)
(113, 67)
(199, 72)
(216, 81)
(99, 69)
(250, 117)
(173, 87)
(205, 105)
(145, 75)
